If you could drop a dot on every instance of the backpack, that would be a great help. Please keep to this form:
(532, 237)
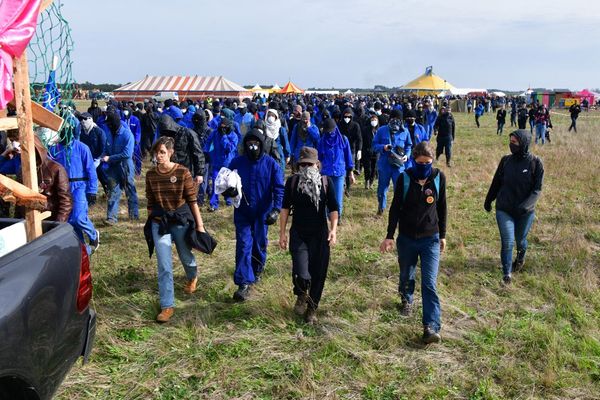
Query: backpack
(406, 184)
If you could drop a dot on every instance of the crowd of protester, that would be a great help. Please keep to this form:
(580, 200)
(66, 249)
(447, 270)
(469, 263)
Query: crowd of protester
(210, 153)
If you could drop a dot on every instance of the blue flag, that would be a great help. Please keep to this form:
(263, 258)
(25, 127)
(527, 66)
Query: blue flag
(51, 96)
(429, 70)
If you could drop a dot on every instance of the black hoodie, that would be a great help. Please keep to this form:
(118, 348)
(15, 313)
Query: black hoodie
(352, 131)
(187, 147)
(517, 183)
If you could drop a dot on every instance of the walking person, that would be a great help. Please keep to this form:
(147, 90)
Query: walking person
(574, 110)
(310, 196)
(479, 110)
(336, 160)
(369, 159)
(542, 122)
(522, 115)
(516, 188)
(501, 119)
(172, 212)
(419, 213)
(445, 129)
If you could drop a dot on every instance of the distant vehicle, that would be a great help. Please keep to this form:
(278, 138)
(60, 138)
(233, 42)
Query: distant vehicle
(46, 322)
(162, 96)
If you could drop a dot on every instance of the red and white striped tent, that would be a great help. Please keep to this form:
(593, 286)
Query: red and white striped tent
(187, 87)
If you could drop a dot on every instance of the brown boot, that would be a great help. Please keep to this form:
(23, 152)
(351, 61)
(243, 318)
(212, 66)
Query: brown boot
(165, 315)
(300, 306)
(310, 317)
(190, 286)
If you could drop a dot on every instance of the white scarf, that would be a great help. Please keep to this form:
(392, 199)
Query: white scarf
(309, 183)
(273, 127)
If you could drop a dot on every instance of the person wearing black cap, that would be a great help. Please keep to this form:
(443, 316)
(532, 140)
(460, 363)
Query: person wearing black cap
(417, 132)
(351, 129)
(262, 195)
(369, 156)
(309, 194)
(516, 188)
(393, 144)
(336, 160)
(94, 110)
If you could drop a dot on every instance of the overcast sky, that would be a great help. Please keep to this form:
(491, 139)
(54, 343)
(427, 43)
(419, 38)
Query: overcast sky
(512, 44)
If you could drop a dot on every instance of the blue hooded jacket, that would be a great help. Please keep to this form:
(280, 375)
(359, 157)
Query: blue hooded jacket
(313, 137)
(421, 135)
(479, 110)
(77, 160)
(222, 148)
(119, 148)
(334, 154)
(401, 139)
(262, 184)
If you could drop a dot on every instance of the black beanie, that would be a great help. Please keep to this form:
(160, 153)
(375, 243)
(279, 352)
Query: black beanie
(396, 114)
(410, 114)
(329, 125)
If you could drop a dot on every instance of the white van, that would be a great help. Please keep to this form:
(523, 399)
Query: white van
(162, 96)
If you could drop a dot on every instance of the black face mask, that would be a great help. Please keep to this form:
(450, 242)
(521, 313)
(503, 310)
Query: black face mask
(223, 130)
(253, 151)
(515, 148)
(242, 111)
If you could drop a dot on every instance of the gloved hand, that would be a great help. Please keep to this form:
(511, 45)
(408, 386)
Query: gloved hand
(91, 198)
(230, 192)
(359, 155)
(404, 159)
(487, 206)
(272, 217)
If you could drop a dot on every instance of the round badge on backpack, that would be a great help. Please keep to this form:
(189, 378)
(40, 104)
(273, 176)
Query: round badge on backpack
(173, 179)
(429, 199)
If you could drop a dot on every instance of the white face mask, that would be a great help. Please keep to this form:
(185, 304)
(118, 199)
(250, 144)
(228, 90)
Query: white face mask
(374, 123)
(87, 124)
(347, 120)
(378, 112)
(126, 113)
(271, 119)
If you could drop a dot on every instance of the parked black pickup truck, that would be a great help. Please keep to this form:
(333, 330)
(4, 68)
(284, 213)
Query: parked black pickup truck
(46, 322)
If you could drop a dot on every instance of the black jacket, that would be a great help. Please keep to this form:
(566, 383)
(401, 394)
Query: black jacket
(187, 146)
(423, 213)
(517, 183)
(501, 116)
(445, 125)
(368, 134)
(352, 131)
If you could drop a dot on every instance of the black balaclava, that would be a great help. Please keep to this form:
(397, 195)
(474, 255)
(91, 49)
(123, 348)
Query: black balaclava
(524, 138)
(253, 152)
(113, 121)
(168, 103)
(225, 126)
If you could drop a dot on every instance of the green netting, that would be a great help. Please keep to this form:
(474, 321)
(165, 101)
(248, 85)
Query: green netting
(50, 68)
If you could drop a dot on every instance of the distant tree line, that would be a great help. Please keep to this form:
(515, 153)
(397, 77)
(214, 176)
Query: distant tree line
(103, 87)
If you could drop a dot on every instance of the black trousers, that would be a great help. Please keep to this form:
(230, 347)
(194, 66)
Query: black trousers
(522, 123)
(477, 120)
(573, 124)
(310, 261)
(370, 168)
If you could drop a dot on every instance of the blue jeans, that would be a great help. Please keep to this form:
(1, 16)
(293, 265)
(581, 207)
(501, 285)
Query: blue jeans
(428, 250)
(164, 256)
(511, 230)
(338, 190)
(500, 129)
(114, 196)
(531, 124)
(385, 174)
(540, 133)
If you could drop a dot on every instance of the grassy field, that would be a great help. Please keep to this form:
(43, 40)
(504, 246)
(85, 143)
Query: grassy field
(538, 339)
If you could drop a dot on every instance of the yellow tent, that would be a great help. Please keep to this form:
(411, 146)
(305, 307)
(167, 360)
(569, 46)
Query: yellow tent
(428, 83)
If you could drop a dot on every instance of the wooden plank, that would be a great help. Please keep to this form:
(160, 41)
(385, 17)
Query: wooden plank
(43, 117)
(33, 224)
(15, 192)
(8, 123)
(45, 4)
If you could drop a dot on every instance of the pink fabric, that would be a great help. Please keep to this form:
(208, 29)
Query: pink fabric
(18, 19)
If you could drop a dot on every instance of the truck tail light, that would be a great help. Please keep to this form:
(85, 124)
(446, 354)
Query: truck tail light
(84, 292)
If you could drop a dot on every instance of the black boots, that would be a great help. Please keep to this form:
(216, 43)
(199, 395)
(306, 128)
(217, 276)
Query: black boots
(517, 265)
(242, 294)
(430, 336)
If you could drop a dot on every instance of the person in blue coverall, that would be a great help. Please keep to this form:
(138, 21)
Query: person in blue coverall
(222, 147)
(479, 110)
(135, 126)
(77, 160)
(393, 144)
(262, 197)
(429, 117)
(304, 134)
(336, 160)
(117, 164)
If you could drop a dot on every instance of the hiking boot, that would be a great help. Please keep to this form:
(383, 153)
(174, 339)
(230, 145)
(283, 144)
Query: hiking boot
(94, 244)
(165, 315)
(257, 277)
(507, 279)
(449, 164)
(300, 306)
(379, 212)
(190, 286)
(430, 336)
(110, 222)
(211, 209)
(310, 316)
(242, 294)
(406, 308)
(517, 265)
